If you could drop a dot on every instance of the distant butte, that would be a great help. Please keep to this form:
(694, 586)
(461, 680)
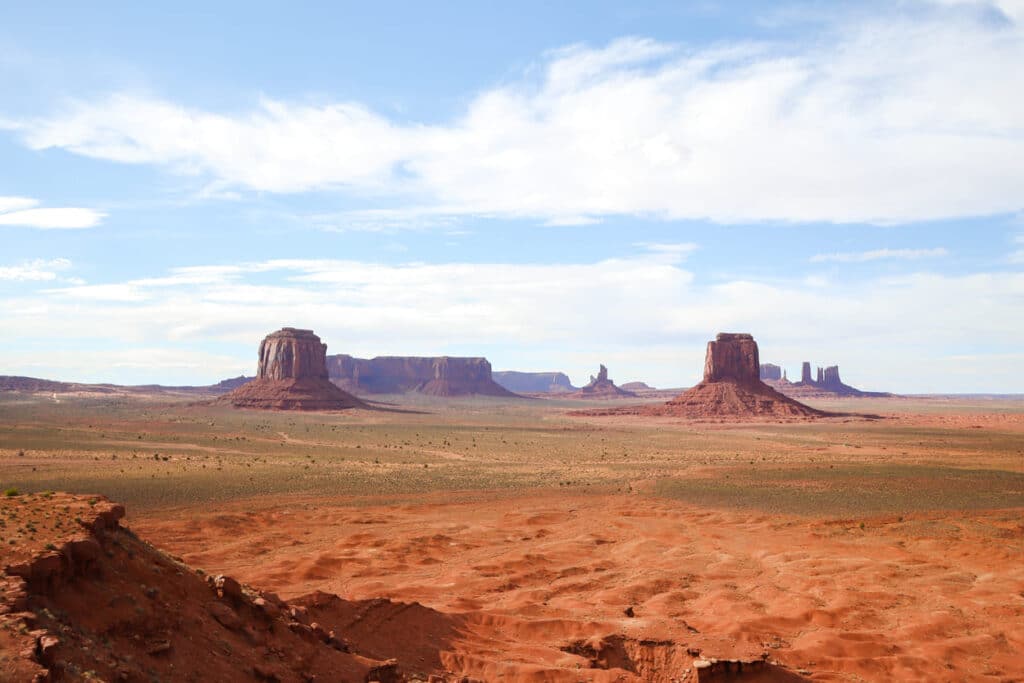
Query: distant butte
(732, 386)
(600, 387)
(731, 389)
(292, 376)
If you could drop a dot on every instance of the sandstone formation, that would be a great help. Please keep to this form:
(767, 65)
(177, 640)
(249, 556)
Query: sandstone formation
(770, 371)
(824, 382)
(292, 375)
(637, 386)
(732, 387)
(436, 376)
(534, 382)
(600, 387)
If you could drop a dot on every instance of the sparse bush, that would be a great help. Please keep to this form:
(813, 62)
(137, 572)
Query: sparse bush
(11, 492)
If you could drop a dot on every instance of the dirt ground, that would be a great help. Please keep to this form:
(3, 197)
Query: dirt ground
(565, 548)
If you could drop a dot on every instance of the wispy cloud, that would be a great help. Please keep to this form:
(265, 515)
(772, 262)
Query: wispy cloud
(741, 132)
(25, 212)
(879, 254)
(38, 270)
(672, 252)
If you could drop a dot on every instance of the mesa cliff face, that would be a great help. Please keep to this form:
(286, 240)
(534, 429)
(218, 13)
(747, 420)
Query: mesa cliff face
(292, 375)
(436, 376)
(534, 382)
(770, 371)
(732, 357)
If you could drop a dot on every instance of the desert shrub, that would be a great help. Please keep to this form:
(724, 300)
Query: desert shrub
(11, 492)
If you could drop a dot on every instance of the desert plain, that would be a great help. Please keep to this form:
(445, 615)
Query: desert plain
(502, 539)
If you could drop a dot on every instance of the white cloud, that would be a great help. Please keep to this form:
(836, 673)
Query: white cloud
(25, 212)
(879, 254)
(642, 312)
(36, 270)
(668, 252)
(891, 119)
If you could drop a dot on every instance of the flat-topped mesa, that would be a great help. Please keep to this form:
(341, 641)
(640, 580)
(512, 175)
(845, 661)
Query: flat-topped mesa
(292, 375)
(770, 371)
(434, 375)
(292, 353)
(534, 382)
(732, 357)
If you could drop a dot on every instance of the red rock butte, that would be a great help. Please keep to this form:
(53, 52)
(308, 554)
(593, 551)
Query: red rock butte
(292, 375)
(732, 386)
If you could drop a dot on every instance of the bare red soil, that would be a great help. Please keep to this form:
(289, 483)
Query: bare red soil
(568, 588)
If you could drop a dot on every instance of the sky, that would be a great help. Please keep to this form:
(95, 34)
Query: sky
(552, 185)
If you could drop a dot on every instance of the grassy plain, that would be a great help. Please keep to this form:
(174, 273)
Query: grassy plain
(926, 454)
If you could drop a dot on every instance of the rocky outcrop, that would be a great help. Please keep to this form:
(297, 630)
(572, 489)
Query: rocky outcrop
(732, 387)
(436, 376)
(534, 382)
(637, 386)
(98, 603)
(600, 388)
(770, 371)
(826, 382)
(292, 375)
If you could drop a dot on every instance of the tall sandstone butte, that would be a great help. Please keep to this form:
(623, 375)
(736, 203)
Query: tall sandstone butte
(292, 375)
(732, 386)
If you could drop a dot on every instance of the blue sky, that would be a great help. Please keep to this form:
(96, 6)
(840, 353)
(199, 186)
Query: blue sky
(552, 185)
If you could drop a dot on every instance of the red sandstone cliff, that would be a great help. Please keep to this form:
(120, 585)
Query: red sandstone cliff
(436, 376)
(292, 375)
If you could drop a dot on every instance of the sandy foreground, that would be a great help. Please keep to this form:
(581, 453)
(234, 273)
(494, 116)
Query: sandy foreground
(525, 580)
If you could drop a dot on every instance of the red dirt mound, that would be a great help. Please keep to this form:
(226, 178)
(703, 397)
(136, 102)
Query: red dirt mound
(732, 399)
(292, 394)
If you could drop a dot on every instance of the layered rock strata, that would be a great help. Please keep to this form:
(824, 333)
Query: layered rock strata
(436, 376)
(292, 375)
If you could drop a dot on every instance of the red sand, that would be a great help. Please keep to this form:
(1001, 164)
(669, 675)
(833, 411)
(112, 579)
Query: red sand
(532, 588)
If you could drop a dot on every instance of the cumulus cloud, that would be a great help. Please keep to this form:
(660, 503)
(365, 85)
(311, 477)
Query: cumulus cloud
(650, 315)
(892, 119)
(25, 212)
(879, 254)
(36, 270)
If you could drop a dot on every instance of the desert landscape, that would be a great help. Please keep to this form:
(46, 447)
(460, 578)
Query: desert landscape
(532, 342)
(496, 538)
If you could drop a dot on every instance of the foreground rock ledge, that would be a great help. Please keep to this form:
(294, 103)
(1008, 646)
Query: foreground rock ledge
(97, 603)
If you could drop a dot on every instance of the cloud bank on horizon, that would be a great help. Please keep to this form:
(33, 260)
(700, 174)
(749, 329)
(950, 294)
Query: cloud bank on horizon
(909, 121)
